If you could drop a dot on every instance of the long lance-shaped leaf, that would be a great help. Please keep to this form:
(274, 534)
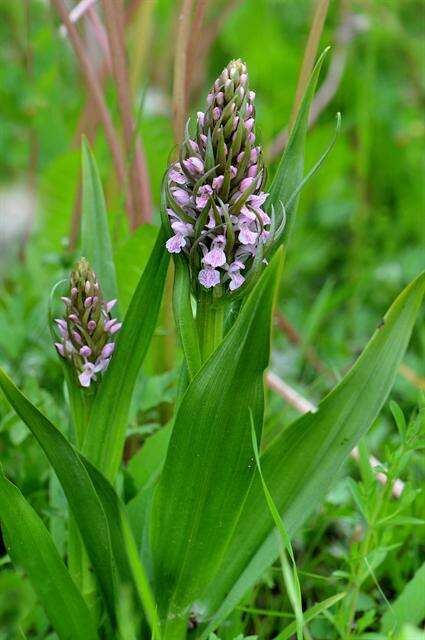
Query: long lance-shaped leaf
(30, 546)
(105, 436)
(97, 509)
(95, 239)
(300, 465)
(290, 171)
(209, 464)
(79, 490)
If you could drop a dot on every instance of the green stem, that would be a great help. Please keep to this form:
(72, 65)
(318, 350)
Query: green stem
(210, 319)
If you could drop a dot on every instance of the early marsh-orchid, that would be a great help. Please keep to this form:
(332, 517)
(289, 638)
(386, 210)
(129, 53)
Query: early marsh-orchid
(215, 190)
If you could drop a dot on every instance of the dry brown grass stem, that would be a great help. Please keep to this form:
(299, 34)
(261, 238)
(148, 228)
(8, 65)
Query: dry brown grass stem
(95, 90)
(139, 179)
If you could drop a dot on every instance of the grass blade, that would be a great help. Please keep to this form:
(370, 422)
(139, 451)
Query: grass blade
(291, 578)
(310, 614)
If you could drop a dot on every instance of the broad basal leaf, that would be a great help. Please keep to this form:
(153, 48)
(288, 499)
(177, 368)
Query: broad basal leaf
(30, 546)
(209, 464)
(301, 463)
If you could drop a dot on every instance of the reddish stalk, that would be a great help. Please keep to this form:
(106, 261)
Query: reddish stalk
(194, 40)
(139, 179)
(95, 91)
(180, 68)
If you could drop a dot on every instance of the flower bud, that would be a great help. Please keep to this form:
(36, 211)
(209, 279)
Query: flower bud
(214, 193)
(87, 328)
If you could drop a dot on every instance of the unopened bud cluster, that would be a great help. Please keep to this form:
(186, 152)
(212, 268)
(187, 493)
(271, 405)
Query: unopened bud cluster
(87, 329)
(214, 191)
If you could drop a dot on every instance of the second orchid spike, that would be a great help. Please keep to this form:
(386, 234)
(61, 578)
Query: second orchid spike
(214, 192)
(87, 328)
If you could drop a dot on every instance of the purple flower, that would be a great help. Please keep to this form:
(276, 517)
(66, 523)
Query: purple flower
(109, 305)
(257, 200)
(217, 183)
(86, 333)
(220, 165)
(176, 243)
(246, 236)
(181, 197)
(87, 374)
(203, 196)
(194, 165)
(60, 348)
(115, 328)
(177, 176)
(236, 280)
(245, 184)
(108, 350)
(209, 277)
(249, 124)
(215, 258)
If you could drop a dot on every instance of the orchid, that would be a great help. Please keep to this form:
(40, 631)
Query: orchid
(215, 191)
(87, 329)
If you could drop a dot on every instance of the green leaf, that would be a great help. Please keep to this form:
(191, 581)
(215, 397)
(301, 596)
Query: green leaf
(290, 171)
(105, 437)
(310, 614)
(291, 579)
(302, 461)
(95, 240)
(209, 464)
(30, 545)
(409, 606)
(79, 490)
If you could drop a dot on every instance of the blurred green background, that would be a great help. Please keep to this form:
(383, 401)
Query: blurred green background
(358, 240)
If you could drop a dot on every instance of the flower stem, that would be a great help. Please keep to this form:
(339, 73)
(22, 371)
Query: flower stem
(210, 319)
